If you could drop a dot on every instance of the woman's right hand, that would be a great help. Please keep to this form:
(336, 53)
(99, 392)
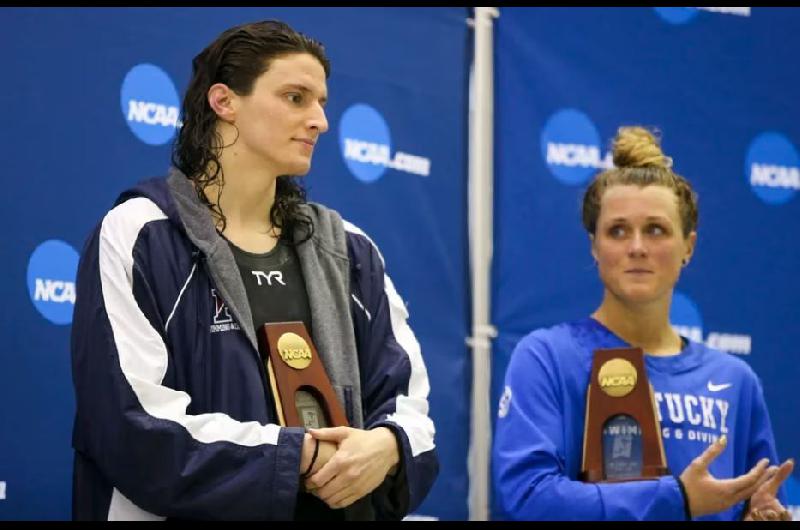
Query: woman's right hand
(706, 494)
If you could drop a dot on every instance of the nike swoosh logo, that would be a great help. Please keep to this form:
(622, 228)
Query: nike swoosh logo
(716, 388)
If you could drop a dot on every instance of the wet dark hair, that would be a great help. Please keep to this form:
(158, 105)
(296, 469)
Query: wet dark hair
(640, 162)
(237, 58)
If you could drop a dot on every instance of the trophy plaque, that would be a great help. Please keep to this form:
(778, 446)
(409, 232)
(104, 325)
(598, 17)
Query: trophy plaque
(304, 396)
(622, 437)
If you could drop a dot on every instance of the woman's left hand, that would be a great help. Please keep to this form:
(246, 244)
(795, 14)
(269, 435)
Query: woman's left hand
(764, 504)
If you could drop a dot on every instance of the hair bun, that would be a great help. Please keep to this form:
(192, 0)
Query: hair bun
(635, 146)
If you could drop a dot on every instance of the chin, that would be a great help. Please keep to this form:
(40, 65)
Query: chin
(637, 295)
(298, 169)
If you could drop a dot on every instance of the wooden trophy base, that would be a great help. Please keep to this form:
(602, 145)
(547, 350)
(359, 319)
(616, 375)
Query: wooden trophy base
(619, 387)
(298, 378)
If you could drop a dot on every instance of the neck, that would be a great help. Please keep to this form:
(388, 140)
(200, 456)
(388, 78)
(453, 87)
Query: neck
(248, 192)
(645, 326)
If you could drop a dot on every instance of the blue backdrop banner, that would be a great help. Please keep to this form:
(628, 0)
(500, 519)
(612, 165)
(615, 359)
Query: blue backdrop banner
(96, 101)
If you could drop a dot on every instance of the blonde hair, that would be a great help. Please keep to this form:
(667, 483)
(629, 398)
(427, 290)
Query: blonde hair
(639, 161)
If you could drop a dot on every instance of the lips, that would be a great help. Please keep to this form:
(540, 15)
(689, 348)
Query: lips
(638, 271)
(306, 141)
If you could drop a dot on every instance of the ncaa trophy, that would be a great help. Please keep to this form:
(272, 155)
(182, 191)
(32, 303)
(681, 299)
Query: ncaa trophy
(622, 438)
(304, 396)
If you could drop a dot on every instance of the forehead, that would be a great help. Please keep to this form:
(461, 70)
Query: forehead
(297, 68)
(635, 202)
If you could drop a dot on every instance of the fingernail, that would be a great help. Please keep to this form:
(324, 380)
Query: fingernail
(723, 439)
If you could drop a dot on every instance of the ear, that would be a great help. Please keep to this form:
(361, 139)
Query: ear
(691, 241)
(594, 250)
(222, 101)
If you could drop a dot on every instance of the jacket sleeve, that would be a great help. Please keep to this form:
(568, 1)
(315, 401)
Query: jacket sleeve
(529, 460)
(394, 381)
(134, 428)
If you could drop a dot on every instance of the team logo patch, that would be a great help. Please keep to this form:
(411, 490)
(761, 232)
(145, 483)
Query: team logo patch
(222, 319)
(505, 402)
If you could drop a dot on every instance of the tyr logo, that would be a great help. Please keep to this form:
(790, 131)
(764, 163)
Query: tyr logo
(278, 275)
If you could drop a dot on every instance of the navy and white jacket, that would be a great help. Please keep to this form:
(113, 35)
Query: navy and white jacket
(174, 417)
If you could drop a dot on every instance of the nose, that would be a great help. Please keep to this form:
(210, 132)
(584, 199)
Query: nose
(637, 247)
(318, 120)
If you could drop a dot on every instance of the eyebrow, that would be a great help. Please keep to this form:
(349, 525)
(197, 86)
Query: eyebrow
(303, 88)
(648, 218)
